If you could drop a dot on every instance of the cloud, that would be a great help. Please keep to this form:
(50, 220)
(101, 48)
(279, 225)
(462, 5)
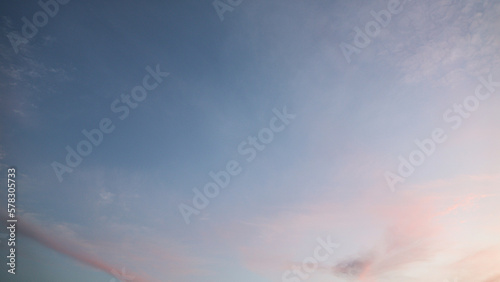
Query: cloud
(353, 267)
(146, 254)
(446, 37)
(383, 235)
(63, 241)
(481, 265)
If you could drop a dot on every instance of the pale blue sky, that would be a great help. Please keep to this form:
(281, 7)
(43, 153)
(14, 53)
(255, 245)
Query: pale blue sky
(323, 175)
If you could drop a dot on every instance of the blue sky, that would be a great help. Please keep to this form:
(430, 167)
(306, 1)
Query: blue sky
(323, 175)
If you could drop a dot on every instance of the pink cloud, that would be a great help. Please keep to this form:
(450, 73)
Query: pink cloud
(402, 231)
(66, 246)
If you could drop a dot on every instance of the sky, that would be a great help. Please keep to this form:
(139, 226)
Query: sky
(251, 141)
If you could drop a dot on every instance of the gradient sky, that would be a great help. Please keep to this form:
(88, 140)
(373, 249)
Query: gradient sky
(323, 176)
